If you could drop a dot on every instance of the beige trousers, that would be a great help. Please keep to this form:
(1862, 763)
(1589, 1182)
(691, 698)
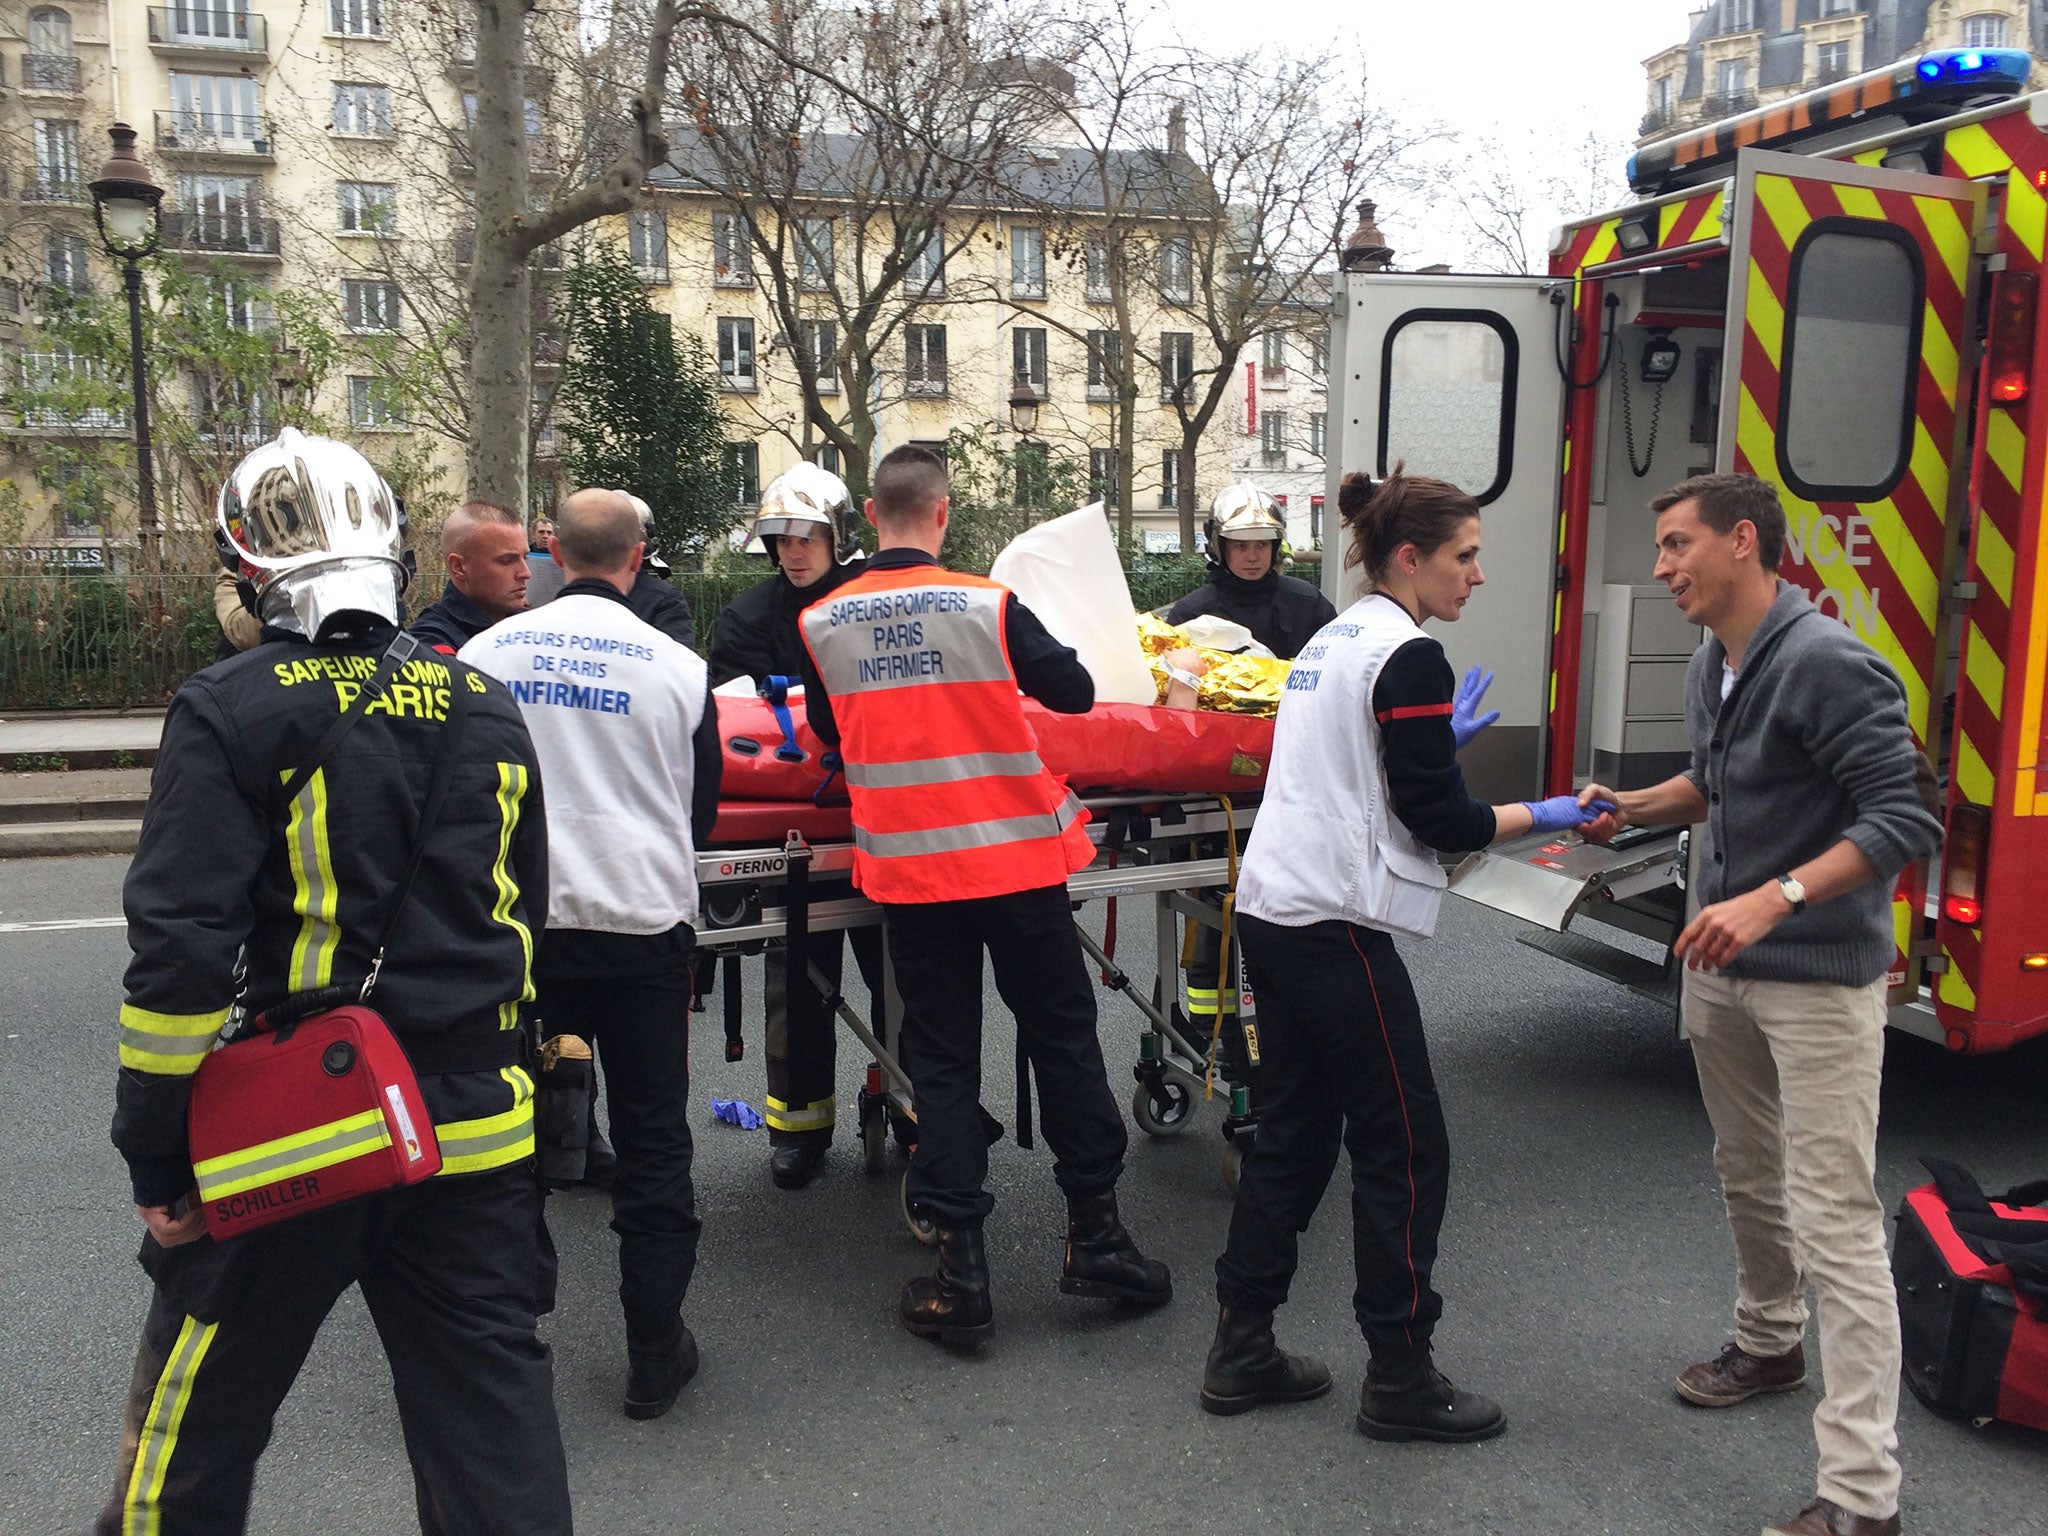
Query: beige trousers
(1789, 1072)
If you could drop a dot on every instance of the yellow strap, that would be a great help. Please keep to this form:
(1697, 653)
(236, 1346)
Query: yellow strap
(1222, 956)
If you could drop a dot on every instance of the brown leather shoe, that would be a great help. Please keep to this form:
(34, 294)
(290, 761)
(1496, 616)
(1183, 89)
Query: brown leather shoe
(1733, 1376)
(1824, 1517)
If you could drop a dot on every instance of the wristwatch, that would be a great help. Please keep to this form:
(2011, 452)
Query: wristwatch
(1793, 892)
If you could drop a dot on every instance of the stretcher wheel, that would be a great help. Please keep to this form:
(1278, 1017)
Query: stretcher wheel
(922, 1228)
(874, 1140)
(1164, 1108)
(1232, 1165)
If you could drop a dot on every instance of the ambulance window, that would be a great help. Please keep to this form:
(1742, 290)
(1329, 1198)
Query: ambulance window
(1852, 360)
(1447, 398)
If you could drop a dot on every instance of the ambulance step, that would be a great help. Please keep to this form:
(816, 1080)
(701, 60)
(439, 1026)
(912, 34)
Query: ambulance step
(1646, 978)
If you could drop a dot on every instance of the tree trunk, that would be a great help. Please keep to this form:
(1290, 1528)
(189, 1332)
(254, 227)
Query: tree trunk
(501, 348)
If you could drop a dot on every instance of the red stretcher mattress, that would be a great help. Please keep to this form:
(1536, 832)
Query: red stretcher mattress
(1128, 748)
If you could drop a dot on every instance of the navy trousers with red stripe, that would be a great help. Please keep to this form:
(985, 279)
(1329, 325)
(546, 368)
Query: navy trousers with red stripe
(1345, 1067)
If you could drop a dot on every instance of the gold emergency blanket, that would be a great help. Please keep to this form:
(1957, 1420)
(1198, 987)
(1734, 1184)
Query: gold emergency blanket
(1233, 685)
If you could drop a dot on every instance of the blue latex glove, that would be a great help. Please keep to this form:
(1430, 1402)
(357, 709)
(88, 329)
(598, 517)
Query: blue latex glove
(737, 1112)
(1563, 813)
(1464, 726)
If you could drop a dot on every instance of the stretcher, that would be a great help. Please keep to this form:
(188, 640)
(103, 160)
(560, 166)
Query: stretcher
(780, 871)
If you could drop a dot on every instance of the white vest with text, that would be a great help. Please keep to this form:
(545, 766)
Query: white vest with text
(612, 704)
(1327, 844)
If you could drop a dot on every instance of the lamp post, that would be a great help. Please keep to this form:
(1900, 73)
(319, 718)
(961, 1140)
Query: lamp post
(1024, 417)
(124, 207)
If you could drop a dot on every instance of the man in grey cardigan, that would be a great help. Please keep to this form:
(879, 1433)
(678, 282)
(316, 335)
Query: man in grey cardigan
(1802, 783)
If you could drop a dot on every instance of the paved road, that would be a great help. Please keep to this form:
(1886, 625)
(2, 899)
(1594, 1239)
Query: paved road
(1584, 1261)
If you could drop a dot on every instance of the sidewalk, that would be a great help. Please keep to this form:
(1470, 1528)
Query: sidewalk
(93, 804)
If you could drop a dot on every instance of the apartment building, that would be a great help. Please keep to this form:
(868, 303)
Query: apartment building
(1740, 54)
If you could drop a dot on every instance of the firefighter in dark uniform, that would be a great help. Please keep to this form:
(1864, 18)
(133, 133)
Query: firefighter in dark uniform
(452, 1268)
(807, 524)
(967, 842)
(654, 597)
(1243, 535)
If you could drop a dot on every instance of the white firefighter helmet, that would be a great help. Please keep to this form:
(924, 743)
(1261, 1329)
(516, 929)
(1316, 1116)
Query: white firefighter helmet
(1243, 511)
(650, 557)
(805, 498)
(315, 530)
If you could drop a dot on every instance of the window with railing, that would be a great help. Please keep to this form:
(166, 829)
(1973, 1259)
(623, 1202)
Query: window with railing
(1830, 62)
(647, 244)
(370, 304)
(208, 24)
(924, 359)
(229, 413)
(60, 389)
(1731, 77)
(366, 207)
(65, 257)
(736, 352)
(78, 496)
(1273, 352)
(1105, 364)
(242, 304)
(220, 213)
(356, 18)
(219, 112)
(362, 110)
(50, 64)
(1027, 263)
(732, 250)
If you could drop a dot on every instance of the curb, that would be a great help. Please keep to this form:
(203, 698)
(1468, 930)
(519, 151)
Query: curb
(48, 839)
(60, 809)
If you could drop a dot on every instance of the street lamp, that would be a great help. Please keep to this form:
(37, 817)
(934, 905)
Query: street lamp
(1023, 406)
(124, 207)
(1030, 457)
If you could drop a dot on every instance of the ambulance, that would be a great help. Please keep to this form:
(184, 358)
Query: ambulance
(1840, 293)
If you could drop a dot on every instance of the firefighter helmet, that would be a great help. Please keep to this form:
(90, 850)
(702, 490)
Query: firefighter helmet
(1243, 511)
(650, 557)
(315, 530)
(804, 498)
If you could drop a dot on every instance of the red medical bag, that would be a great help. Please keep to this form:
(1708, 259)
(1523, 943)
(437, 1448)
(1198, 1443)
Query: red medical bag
(305, 1116)
(1972, 1275)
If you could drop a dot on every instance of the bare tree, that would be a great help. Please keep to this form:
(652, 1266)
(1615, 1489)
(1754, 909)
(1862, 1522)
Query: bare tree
(847, 202)
(1506, 195)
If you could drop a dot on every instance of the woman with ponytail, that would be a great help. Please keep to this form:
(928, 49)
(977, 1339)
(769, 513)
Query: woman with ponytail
(1364, 785)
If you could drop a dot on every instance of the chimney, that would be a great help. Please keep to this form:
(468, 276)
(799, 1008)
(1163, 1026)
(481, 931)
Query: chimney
(1177, 131)
(1366, 250)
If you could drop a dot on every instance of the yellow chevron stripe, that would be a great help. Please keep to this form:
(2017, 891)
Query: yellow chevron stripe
(1975, 152)
(1860, 203)
(1781, 202)
(1943, 217)
(2026, 212)
(1973, 775)
(1604, 245)
(1938, 352)
(1712, 225)
(1955, 988)
(1985, 670)
(2027, 797)
(2007, 445)
(1764, 314)
(1995, 559)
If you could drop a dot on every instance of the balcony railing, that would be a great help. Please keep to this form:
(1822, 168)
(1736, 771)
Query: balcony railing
(199, 26)
(1654, 121)
(212, 133)
(40, 184)
(221, 234)
(1719, 104)
(49, 72)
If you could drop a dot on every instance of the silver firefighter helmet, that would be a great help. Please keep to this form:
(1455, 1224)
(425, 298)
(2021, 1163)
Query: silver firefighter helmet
(804, 498)
(1243, 511)
(650, 557)
(315, 530)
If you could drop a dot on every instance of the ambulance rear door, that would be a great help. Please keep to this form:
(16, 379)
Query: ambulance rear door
(1457, 377)
(1851, 309)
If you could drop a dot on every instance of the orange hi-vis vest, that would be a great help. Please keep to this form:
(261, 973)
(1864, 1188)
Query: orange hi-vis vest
(950, 800)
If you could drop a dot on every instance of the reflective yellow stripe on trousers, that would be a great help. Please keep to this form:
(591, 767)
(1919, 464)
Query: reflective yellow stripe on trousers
(157, 1439)
(821, 1116)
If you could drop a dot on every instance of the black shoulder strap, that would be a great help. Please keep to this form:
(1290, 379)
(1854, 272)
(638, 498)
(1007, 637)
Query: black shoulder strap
(437, 796)
(402, 649)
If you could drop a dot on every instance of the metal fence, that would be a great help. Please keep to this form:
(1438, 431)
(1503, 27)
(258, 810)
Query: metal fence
(94, 641)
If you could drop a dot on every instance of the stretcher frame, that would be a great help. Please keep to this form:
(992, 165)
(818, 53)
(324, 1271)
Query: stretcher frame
(1172, 848)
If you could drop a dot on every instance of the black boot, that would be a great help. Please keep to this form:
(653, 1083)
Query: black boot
(1102, 1260)
(952, 1306)
(600, 1162)
(1246, 1368)
(1414, 1400)
(655, 1378)
(793, 1164)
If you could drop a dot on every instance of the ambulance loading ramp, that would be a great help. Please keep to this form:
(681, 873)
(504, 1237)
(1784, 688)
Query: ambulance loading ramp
(1549, 880)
